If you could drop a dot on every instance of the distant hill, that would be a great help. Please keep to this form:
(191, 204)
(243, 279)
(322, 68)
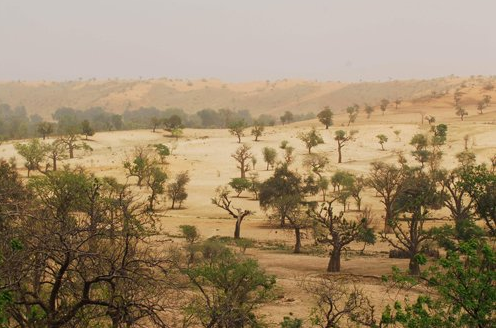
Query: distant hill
(271, 97)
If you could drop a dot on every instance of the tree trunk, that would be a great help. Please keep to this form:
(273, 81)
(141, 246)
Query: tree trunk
(54, 161)
(298, 243)
(388, 216)
(334, 262)
(267, 167)
(339, 153)
(414, 266)
(239, 139)
(71, 152)
(237, 228)
(327, 126)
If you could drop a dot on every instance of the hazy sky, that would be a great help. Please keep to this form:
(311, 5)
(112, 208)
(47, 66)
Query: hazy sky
(246, 40)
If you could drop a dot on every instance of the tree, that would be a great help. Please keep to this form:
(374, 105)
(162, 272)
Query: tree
(353, 112)
(397, 134)
(257, 130)
(288, 156)
(81, 258)
(242, 155)
(155, 181)
(177, 133)
(239, 185)
(269, 155)
(56, 152)
(326, 117)
(466, 158)
(356, 189)
(481, 106)
(282, 194)
(418, 196)
(177, 189)
(223, 201)
(388, 181)
(141, 165)
(316, 163)
(369, 110)
(229, 288)
(479, 183)
(383, 105)
(172, 123)
(34, 152)
(86, 129)
(162, 151)
(342, 137)
(339, 303)
(420, 143)
(255, 185)
(70, 139)
(461, 112)
(45, 129)
(382, 139)
(460, 292)
(335, 231)
(398, 101)
(236, 128)
(287, 117)
(311, 138)
(155, 122)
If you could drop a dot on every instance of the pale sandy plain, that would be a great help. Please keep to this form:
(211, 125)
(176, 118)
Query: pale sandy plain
(205, 153)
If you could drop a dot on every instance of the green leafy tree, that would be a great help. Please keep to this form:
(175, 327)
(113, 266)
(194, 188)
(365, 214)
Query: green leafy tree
(162, 151)
(257, 130)
(177, 189)
(342, 138)
(382, 139)
(352, 112)
(236, 128)
(326, 117)
(239, 185)
(228, 289)
(155, 182)
(311, 139)
(269, 155)
(86, 129)
(34, 152)
(461, 292)
(56, 152)
(461, 112)
(140, 166)
(45, 129)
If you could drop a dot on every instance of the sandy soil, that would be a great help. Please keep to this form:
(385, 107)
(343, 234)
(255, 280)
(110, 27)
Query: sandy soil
(206, 155)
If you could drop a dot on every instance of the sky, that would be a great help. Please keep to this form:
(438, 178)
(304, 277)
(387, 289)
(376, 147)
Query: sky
(337, 40)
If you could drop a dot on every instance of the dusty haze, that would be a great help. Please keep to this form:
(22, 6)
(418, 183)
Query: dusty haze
(242, 41)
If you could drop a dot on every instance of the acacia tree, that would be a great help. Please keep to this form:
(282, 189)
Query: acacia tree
(236, 128)
(242, 155)
(257, 130)
(369, 110)
(269, 155)
(382, 139)
(414, 202)
(70, 140)
(420, 143)
(177, 189)
(342, 138)
(388, 181)
(335, 231)
(383, 105)
(326, 117)
(310, 139)
(81, 259)
(223, 201)
(339, 303)
(141, 165)
(316, 163)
